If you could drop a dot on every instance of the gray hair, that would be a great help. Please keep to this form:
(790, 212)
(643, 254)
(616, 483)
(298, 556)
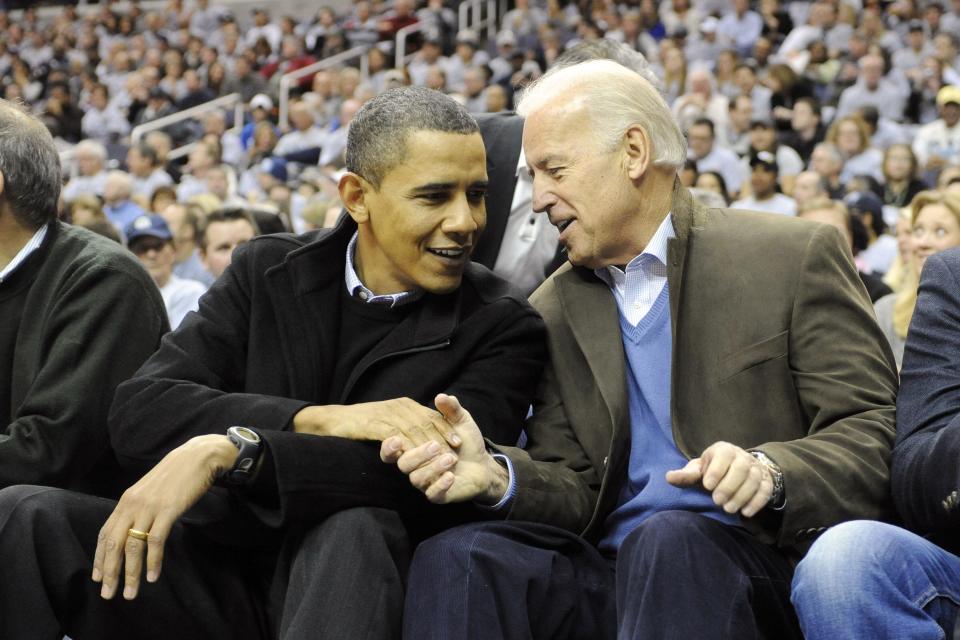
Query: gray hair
(606, 49)
(377, 138)
(615, 100)
(30, 166)
(93, 148)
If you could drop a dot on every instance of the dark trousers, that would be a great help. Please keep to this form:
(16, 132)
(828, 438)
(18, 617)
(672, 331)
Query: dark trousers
(340, 579)
(678, 575)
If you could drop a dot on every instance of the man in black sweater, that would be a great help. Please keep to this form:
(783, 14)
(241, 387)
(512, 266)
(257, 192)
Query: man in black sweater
(78, 315)
(312, 350)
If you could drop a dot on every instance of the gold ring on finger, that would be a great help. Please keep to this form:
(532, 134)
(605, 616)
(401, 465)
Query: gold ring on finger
(139, 535)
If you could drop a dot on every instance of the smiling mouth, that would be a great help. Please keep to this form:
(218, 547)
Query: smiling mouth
(561, 226)
(450, 254)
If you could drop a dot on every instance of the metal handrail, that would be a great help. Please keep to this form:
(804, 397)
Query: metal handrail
(287, 79)
(234, 100)
(469, 16)
(401, 46)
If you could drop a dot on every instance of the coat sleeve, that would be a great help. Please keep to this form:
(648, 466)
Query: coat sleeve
(496, 386)
(103, 322)
(846, 386)
(555, 481)
(198, 375)
(926, 458)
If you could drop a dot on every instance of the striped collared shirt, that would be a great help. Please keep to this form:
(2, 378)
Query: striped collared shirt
(31, 246)
(358, 290)
(639, 286)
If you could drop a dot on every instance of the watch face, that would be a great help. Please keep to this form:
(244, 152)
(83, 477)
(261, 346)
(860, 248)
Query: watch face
(246, 434)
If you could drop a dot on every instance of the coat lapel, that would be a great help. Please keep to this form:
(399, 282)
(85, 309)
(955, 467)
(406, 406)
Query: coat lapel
(502, 137)
(593, 318)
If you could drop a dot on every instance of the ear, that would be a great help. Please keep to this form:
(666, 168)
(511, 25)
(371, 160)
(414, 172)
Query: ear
(353, 194)
(637, 145)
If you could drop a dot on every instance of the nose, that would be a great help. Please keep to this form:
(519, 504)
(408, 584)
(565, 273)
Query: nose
(463, 218)
(543, 198)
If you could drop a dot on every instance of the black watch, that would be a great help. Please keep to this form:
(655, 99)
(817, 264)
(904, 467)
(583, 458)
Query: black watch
(249, 444)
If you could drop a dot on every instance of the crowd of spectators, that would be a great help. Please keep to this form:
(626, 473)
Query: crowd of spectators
(782, 103)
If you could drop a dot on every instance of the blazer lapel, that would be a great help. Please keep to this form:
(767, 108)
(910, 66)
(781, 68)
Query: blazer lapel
(593, 318)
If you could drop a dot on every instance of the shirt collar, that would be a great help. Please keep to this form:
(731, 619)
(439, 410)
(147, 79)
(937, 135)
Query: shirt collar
(32, 245)
(357, 289)
(656, 248)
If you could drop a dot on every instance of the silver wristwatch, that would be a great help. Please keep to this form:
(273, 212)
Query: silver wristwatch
(777, 497)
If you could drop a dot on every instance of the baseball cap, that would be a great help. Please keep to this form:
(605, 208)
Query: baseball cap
(709, 25)
(506, 38)
(261, 101)
(276, 167)
(949, 93)
(865, 202)
(150, 225)
(764, 159)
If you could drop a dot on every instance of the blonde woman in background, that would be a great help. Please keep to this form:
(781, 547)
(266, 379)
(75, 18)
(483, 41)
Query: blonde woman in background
(935, 227)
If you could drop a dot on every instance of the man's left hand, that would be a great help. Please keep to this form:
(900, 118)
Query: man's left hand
(151, 506)
(736, 480)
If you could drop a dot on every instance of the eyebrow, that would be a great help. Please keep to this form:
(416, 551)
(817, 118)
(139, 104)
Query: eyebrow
(448, 186)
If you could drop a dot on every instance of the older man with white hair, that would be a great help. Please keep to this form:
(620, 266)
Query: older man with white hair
(718, 394)
(118, 207)
(91, 158)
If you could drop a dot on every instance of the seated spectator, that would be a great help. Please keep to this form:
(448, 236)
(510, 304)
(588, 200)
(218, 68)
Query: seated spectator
(897, 583)
(852, 138)
(935, 227)
(713, 181)
(429, 55)
(808, 187)
(282, 345)
(806, 128)
(261, 110)
(221, 232)
(292, 57)
(402, 15)
(710, 156)
(336, 139)
(162, 197)
(827, 161)
(117, 205)
(83, 210)
(764, 171)
(524, 19)
(184, 221)
(144, 167)
(215, 124)
(900, 170)
(305, 133)
(703, 47)
(195, 92)
(149, 238)
(263, 28)
(745, 77)
(77, 317)
(466, 55)
(204, 156)
(937, 144)
(836, 215)
(873, 89)
(91, 158)
(740, 27)
(474, 85)
(737, 137)
(701, 101)
(102, 121)
(763, 137)
(881, 247)
(244, 80)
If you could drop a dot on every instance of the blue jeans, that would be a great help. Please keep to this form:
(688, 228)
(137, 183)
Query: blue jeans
(874, 580)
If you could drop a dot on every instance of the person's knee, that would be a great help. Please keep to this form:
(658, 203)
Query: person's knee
(844, 559)
(24, 503)
(666, 533)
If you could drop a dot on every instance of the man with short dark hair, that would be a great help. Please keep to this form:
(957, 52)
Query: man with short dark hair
(78, 316)
(144, 165)
(307, 352)
(221, 233)
(763, 182)
(712, 157)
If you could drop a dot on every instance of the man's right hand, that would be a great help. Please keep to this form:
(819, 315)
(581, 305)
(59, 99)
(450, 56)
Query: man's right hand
(403, 418)
(471, 474)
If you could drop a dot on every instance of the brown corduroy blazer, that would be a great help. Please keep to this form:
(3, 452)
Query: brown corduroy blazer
(775, 348)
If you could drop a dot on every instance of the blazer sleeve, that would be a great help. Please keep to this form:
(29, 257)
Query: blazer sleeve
(555, 482)
(926, 458)
(199, 374)
(846, 385)
(102, 324)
